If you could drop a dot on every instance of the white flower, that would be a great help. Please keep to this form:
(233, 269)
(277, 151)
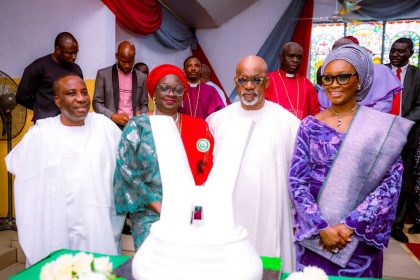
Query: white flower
(315, 272)
(297, 276)
(47, 272)
(68, 267)
(102, 265)
(309, 273)
(82, 263)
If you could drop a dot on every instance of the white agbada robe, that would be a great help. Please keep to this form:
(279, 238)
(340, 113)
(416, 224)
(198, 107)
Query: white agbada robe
(63, 187)
(261, 197)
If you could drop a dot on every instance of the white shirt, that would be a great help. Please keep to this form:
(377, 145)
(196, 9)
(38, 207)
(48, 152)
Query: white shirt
(403, 71)
(63, 187)
(261, 198)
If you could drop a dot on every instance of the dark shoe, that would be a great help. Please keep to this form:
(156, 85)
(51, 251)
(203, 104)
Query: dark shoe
(399, 236)
(414, 229)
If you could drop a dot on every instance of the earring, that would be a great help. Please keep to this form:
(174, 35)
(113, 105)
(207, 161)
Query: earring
(358, 87)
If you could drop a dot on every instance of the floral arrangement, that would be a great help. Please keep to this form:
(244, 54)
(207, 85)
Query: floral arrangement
(309, 273)
(81, 266)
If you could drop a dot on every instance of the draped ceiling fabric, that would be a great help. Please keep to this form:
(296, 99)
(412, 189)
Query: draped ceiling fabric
(141, 17)
(385, 10)
(175, 34)
(281, 34)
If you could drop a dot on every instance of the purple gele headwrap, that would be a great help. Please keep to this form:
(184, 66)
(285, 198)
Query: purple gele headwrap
(361, 61)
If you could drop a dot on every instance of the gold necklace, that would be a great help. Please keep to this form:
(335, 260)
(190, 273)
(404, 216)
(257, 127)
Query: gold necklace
(196, 105)
(340, 115)
(295, 111)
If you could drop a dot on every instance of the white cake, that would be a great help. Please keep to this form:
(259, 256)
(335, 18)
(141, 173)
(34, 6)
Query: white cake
(212, 248)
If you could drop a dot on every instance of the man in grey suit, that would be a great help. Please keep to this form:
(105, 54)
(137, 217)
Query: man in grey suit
(407, 106)
(120, 90)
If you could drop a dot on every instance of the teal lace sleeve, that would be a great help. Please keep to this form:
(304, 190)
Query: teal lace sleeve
(137, 177)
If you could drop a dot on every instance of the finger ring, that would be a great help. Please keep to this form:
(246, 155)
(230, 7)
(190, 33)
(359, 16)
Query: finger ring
(335, 251)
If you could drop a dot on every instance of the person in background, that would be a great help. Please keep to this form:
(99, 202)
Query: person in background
(120, 91)
(63, 170)
(205, 78)
(35, 91)
(142, 67)
(406, 104)
(345, 174)
(261, 199)
(201, 99)
(385, 84)
(137, 181)
(292, 91)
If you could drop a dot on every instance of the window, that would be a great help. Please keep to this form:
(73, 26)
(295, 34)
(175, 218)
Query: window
(376, 36)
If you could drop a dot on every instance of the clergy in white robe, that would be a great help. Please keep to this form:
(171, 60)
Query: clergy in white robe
(63, 179)
(261, 198)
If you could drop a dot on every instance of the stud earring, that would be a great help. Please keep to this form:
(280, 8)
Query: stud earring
(358, 87)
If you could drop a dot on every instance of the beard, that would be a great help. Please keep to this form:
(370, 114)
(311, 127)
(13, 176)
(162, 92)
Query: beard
(253, 101)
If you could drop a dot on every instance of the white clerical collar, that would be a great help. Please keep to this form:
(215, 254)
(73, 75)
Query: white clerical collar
(193, 85)
(290, 75)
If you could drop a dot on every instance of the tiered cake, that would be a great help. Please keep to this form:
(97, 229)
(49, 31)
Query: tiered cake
(211, 248)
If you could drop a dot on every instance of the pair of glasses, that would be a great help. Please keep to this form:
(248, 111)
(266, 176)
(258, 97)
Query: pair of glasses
(255, 81)
(342, 79)
(165, 89)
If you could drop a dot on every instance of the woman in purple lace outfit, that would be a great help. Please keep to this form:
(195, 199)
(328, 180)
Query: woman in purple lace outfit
(345, 77)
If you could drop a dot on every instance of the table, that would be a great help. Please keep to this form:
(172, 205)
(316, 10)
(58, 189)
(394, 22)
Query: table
(34, 271)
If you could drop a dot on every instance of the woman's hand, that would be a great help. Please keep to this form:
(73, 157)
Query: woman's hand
(331, 238)
(344, 232)
(155, 206)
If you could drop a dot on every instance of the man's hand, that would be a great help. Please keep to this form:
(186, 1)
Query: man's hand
(120, 119)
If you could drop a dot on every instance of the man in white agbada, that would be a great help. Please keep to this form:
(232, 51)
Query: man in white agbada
(64, 168)
(261, 197)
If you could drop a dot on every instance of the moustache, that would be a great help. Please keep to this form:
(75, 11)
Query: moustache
(253, 92)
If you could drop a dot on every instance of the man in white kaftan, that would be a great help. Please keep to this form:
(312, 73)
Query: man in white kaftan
(64, 169)
(261, 197)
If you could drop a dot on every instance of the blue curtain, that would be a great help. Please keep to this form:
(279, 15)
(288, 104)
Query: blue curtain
(386, 10)
(174, 34)
(281, 34)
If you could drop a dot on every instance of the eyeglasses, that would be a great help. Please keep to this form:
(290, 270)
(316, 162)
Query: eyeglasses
(165, 89)
(255, 81)
(342, 79)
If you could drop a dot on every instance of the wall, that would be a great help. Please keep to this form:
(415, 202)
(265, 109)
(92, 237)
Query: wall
(244, 34)
(28, 32)
(30, 27)
(150, 51)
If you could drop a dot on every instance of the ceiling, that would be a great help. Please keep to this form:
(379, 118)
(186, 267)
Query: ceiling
(206, 13)
(202, 14)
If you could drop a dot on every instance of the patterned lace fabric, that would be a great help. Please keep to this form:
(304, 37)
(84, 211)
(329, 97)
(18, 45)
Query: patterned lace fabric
(316, 147)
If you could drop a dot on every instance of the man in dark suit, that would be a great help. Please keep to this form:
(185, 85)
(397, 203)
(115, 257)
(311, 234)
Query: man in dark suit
(120, 90)
(407, 105)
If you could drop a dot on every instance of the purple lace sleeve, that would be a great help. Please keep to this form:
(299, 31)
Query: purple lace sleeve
(373, 218)
(308, 219)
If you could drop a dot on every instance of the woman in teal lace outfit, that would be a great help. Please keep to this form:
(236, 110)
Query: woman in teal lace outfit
(137, 183)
